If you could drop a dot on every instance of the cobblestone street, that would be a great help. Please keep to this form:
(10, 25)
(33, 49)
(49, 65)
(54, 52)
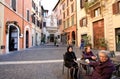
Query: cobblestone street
(42, 62)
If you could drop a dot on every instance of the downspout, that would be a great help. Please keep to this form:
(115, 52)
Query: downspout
(23, 24)
(76, 26)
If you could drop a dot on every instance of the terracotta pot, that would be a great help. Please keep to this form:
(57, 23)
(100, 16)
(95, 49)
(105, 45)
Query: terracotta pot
(102, 48)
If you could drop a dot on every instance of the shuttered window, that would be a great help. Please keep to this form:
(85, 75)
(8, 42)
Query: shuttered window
(92, 13)
(83, 22)
(116, 7)
(82, 3)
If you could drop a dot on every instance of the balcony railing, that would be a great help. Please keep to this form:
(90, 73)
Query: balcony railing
(94, 3)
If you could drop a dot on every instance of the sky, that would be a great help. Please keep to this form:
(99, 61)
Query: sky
(49, 4)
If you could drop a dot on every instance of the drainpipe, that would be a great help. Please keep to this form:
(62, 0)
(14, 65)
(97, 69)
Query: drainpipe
(23, 24)
(76, 26)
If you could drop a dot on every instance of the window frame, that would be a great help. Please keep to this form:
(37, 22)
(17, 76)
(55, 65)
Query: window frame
(97, 12)
(13, 8)
(28, 15)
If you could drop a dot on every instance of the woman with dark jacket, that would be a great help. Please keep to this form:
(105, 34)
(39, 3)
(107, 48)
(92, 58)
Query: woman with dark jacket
(88, 54)
(70, 61)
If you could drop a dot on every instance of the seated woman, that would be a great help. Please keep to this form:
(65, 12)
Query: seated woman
(103, 68)
(88, 54)
(70, 61)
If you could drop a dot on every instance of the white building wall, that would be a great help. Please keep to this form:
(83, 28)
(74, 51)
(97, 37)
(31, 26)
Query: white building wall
(1, 25)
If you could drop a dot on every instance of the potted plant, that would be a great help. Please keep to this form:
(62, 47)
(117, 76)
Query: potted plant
(87, 41)
(102, 44)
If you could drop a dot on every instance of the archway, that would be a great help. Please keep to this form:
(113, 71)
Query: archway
(27, 39)
(13, 38)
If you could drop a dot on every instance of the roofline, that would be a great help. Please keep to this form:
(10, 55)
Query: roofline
(56, 5)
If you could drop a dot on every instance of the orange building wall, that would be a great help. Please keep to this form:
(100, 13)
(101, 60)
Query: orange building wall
(11, 15)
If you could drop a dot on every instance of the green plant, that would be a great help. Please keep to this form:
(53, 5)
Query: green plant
(103, 42)
(88, 4)
(87, 40)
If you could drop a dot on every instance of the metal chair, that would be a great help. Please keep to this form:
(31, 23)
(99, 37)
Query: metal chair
(68, 69)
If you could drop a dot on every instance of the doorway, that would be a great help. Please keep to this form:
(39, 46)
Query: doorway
(98, 32)
(27, 39)
(117, 39)
(13, 38)
(51, 37)
(73, 38)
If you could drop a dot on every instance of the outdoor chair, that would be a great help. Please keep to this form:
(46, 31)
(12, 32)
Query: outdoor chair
(117, 70)
(117, 64)
(68, 69)
(112, 54)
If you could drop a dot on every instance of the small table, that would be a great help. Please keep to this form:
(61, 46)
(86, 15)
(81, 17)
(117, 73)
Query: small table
(82, 62)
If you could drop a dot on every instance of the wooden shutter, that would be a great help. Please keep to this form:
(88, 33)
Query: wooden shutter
(86, 20)
(81, 22)
(115, 8)
(92, 13)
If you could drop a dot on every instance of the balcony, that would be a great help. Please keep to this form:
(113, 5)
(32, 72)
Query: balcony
(93, 4)
(62, 1)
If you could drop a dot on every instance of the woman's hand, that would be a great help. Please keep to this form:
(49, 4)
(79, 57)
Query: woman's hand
(94, 57)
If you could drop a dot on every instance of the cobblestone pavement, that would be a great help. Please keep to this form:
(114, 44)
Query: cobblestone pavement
(40, 62)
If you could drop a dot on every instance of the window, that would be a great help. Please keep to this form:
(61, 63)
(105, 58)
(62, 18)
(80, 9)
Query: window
(40, 3)
(33, 4)
(13, 4)
(38, 23)
(44, 24)
(116, 7)
(33, 19)
(72, 20)
(64, 24)
(67, 22)
(28, 14)
(60, 22)
(64, 15)
(63, 7)
(68, 12)
(72, 8)
(83, 22)
(82, 3)
(97, 12)
(67, 2)
(119, 6)
(39, 14)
